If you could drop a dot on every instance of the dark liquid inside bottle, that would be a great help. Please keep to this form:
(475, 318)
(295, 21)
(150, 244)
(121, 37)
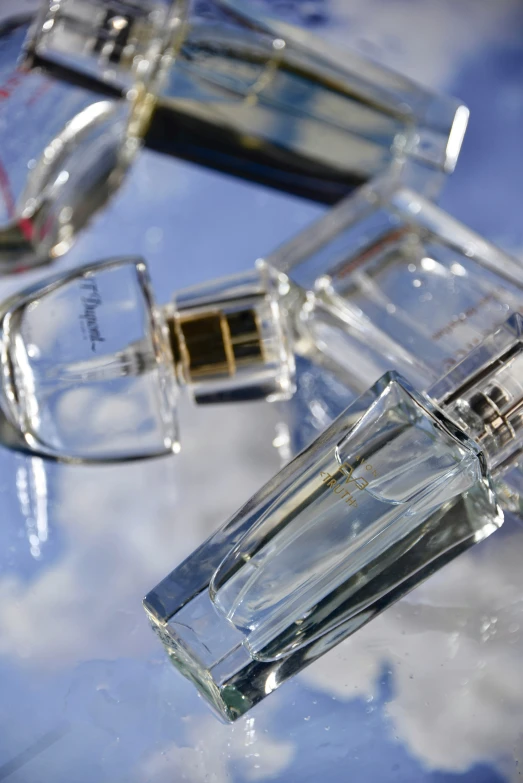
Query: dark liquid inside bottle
(283, 117)
(246, 103)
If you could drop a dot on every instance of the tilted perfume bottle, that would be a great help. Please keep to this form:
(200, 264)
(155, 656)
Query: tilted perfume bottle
(283, 111)
(399, 484)
(66, 141)
(394, 281)
(256, 97)
(91, 365)
(390, 281)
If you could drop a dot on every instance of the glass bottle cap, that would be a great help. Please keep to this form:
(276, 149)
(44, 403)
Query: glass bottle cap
(119, 42)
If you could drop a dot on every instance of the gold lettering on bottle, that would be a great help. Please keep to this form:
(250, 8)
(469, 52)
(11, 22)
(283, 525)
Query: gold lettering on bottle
(348, 471)
(339, 485)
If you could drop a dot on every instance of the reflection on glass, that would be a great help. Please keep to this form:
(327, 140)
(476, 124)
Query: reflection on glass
(66, 134)
(31, 490)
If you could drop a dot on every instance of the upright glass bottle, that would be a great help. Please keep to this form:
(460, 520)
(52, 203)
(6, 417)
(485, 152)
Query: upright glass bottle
(66, 142)
(282, 111)
(91, 365)
(399, 484)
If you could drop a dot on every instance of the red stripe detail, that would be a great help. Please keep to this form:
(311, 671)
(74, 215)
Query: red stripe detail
(24, 224)
(26, 227)
(7, 193)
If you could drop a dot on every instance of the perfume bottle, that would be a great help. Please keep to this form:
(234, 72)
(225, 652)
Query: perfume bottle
(91, 365)
(262, 99)
(217, 86)
(66, 141)
(398, 485)
(389, 280)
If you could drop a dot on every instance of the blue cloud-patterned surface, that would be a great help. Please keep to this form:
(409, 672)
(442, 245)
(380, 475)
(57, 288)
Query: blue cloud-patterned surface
(433, 689)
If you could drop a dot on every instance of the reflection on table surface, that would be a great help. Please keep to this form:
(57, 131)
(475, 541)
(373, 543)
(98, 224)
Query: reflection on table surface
(433, 689)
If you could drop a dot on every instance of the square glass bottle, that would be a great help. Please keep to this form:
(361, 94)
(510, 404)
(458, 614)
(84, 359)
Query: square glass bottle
(399, 484)
(91, 365)
(393, 281)
(388, 280)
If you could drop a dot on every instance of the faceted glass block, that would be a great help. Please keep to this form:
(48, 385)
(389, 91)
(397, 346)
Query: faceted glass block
(387, 494)
(87, 369)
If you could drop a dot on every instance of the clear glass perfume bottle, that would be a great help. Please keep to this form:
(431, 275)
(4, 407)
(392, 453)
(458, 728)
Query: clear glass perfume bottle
(81, 87)
(399, 484)
(265, 100)
(392, 281)
(76, 95)
(91, 366)
(388, 280)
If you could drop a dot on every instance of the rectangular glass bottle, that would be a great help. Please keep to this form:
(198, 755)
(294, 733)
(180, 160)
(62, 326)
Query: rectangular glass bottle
(257, 97)
(251, 95)
(391, 491)
(389, 280)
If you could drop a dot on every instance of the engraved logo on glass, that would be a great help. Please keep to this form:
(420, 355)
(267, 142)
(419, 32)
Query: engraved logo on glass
(89, 318)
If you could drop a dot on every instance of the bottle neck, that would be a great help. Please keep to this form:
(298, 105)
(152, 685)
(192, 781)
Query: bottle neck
(483, 395)
(230, 341)
(213, 343)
